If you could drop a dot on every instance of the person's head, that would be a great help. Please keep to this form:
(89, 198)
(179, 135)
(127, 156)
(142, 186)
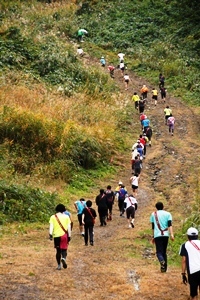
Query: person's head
(102, 57)
(136, 157)
(159, 205)
(89, 203)
(136, 174)
(60, 208)
(120, 183)
(192, 233)
(153, 88)
(101, 191)
(82, 199)
(140, 136)
(167, 106)
(135, 93)
(109, 187)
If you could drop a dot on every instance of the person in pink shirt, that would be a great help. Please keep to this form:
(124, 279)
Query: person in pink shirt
(170, 123)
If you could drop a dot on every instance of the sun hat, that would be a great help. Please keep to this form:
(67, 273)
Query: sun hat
(192, 231)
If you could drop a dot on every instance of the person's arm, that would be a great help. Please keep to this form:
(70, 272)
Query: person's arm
(83, 216)
(170, 230)
(69, 230)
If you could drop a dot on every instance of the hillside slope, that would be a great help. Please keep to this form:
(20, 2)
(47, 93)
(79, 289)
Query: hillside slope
(122, 263)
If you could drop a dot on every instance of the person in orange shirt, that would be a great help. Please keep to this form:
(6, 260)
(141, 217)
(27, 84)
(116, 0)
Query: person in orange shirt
(144, 90)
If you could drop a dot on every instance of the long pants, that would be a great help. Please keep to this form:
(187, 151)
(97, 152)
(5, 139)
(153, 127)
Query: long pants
(121, 205)
(110, 206)
(161, 243)
(88, 230)
(60, 253)
(103, 212)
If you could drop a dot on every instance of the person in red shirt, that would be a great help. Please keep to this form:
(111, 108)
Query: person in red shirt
(111, 69)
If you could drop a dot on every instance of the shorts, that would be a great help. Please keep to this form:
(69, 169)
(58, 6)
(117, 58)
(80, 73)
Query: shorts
(194, 281)
(163, 95)
(80, 219)
(130, 212)
(155, 97)
(127, 80)
(134, 187)
(61, 242)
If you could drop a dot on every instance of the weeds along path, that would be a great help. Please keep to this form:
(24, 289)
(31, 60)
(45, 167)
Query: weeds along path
(122, 263)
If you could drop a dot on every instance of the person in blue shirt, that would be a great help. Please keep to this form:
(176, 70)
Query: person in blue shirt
(103, 61)
(161, 222)
(80, 205)
(145, 123)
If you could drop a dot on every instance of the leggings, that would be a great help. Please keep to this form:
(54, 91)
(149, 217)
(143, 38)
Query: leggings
(59, 253)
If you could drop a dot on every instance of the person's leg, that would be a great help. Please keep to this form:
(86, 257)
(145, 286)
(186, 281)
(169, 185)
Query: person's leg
(91, 228)
(132, 216)
(86, 234)
(100, 216)
(194, 281)
(81, 227)
(58, 258)
(63, 259)
(161, 248)
(105, 214)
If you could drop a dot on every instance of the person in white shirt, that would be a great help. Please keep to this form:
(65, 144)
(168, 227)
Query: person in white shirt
(80, 51)
(126, 80)
(190, 252)
(130, 206)
(134, 183)
(121, 56)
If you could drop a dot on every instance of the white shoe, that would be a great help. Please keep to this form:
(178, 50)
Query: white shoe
(129, 226)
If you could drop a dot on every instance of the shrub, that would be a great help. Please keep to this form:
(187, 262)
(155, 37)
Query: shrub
(22, 203)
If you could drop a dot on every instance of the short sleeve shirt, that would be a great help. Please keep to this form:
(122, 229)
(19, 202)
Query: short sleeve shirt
(163, 218)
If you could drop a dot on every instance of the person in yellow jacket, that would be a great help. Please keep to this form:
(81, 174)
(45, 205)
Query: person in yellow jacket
(136, 99)
(168, 113)
(60, 231)
(155, 95)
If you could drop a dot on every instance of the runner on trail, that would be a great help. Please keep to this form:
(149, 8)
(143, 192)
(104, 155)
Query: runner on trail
(122, 67)
(161, 80)
(170, 123)
(121, 57)
(143, 141)
(110, 201)
(88, 220)
(137, 165)
(136, 99)
(134, 180)
(141, 105)
(80, 51)
(130, 205)
(60, 231)
(155, 96)
(111, 69)
(168, 113)
(145, 123)
(190, 252)
(121, 197)
(134, 154)
(161, 222)
(103, 61)
(126, 81)
(163, 91)
(81, 33)
(101, 202)
(80, 205)
(142, 117)
(144, 90)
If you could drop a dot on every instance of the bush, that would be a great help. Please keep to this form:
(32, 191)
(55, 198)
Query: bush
(22, 203)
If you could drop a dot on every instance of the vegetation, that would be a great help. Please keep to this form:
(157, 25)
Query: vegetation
(58, 114)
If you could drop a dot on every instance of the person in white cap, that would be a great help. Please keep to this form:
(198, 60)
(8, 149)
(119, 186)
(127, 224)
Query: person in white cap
(190, 252)
(130, 206)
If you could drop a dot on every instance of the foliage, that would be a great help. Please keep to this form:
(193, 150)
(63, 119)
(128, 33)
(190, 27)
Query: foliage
(23, 203)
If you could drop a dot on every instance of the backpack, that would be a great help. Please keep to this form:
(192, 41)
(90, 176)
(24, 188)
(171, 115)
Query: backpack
(122, 194)
(109, 195)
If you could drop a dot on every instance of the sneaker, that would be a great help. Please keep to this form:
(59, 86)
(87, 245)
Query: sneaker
(86, 244)
(91, 243)
(162, 266)
(83, 234)
(172, 133)
(63, 261)
(129, 226)
(58, 267)
(132, 225)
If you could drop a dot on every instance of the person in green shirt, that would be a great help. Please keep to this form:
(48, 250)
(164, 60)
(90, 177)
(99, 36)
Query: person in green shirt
(136, 99)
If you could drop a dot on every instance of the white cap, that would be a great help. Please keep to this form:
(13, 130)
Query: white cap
(192, 231)
(120, 182)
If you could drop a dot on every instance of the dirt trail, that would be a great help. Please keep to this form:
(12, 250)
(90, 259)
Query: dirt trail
(122, 263)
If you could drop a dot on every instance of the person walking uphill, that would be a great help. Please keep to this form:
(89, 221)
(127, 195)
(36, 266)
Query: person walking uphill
(161, 221)
(60, 231)
(88, 220)
(101, 202)
(190, 252)
(80, 205)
